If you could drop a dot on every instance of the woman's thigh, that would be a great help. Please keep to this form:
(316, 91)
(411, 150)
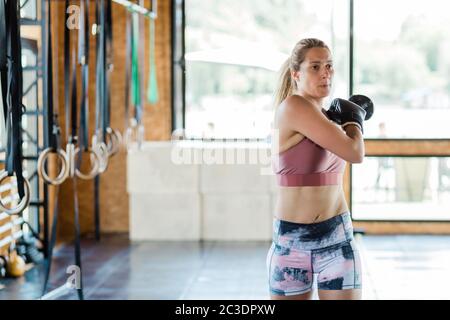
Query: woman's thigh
(339, 270)
(289, 272)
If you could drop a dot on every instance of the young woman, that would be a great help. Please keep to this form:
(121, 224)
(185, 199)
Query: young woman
(313, 232)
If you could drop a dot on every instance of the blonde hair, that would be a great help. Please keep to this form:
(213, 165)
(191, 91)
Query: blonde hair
(285, 84)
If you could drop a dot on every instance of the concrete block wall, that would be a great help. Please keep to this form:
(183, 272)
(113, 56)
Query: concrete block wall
(186, 190)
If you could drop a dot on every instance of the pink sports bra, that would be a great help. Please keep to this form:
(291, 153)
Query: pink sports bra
(308, 164)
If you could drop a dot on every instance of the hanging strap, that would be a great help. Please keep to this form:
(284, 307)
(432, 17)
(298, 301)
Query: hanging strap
(135, 76)
(141, 54)
(3, 63)
(66, 68)
(14, 94)
(128, 62)
(99, 103)
(152, 90)
(83, 59)
(70, 85)
(108, 63)
(2, 36)
(72, 138)
(77, 236)
(52, 138)
(53, 129)
(3, 73)
(100, 71)
(52, 241)
(3, 133)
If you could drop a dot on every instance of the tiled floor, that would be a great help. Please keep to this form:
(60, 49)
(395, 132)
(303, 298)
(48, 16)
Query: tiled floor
(394, 267)
(406, 267)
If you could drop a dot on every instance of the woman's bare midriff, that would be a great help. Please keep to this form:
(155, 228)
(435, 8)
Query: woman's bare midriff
(307, 204)
(310, 204)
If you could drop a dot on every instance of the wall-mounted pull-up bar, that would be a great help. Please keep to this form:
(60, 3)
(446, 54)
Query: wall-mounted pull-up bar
(140, 9)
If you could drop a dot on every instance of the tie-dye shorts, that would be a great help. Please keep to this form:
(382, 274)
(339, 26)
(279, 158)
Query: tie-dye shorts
(299, 251)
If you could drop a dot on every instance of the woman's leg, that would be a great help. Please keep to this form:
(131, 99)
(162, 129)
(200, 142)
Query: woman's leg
(349, 294)
(304, 296)
(290, 274)
(339, 272)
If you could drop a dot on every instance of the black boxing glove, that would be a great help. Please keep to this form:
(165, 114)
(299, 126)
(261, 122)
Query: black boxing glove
(363, 102)
(345, 112)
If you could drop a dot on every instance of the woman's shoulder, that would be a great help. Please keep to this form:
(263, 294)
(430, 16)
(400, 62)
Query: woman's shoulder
(295, 99)
(295, 105)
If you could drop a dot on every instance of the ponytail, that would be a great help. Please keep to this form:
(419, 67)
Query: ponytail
(285, 83)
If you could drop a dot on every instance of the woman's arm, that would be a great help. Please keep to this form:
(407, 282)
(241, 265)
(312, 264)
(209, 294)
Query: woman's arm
(300, 115)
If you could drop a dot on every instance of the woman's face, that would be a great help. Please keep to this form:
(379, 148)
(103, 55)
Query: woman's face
(316, 73)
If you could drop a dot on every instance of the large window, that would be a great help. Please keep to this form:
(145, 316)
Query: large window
(401, 188)
(234, 50)
(402, 61)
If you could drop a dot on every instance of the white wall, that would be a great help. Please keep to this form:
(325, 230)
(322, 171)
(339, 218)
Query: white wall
(200, 190)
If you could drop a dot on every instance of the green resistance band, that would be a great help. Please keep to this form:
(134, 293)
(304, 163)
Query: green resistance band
(152, 90)
(135, 81)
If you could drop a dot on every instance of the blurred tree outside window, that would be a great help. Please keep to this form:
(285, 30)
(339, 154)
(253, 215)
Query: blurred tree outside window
(234, 50)
(402, 62)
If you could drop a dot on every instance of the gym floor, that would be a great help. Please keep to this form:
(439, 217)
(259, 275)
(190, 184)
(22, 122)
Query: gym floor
(395, 267)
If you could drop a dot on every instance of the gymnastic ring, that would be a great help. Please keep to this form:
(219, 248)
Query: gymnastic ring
(102, 153)
(95, 160)
(63, 174)
(114, 141)
(24, 202)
